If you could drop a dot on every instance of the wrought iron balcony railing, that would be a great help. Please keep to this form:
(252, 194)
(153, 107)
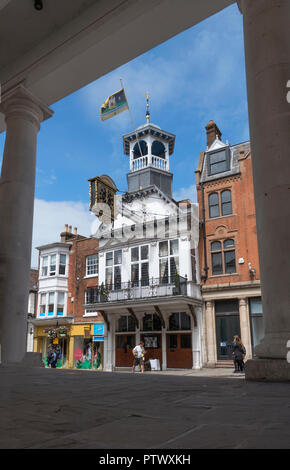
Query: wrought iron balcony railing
(134, 290)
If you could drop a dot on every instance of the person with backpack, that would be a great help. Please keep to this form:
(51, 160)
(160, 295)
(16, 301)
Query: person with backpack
(52, 359)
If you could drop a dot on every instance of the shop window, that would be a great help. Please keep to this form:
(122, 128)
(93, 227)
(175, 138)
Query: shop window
(92, 265)
(179, 321)
(151, 341)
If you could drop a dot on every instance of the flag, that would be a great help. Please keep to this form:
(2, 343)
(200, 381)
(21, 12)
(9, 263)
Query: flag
(113, 105)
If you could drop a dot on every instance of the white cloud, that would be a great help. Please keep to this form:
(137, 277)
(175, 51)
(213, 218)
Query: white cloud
(186, 193)
(50, 218)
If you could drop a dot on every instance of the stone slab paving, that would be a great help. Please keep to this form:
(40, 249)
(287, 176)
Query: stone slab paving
(208, 409)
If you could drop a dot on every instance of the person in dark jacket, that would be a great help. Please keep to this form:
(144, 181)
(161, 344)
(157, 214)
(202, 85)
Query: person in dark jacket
(239, 352)
(52, 359)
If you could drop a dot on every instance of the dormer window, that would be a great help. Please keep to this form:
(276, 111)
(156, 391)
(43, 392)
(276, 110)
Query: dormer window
(219, 161)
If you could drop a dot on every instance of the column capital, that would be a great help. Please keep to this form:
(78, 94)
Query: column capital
(243, 301)
(20, 102)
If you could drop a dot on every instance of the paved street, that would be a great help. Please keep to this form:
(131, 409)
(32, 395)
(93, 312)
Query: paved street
(57, 409)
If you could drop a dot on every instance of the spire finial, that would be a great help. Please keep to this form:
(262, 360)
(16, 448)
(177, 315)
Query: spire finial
(147, 107)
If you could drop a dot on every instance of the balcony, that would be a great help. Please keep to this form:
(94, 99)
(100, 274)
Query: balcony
(138, 290)
(152, 161)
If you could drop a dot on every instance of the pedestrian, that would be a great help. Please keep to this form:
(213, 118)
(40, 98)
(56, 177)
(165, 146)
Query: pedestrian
(239, 352)
(52, 359)
(139, 356)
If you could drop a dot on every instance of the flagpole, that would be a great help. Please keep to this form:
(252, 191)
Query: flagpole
(131, 117)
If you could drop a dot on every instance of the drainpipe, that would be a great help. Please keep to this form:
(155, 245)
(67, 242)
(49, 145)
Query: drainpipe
(204, 276)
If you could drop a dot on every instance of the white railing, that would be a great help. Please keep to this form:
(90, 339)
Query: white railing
(149, 160)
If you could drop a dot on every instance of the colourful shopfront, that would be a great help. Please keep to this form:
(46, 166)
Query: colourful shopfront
(78, 346)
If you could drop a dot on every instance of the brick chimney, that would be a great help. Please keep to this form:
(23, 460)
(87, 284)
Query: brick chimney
(212, 132)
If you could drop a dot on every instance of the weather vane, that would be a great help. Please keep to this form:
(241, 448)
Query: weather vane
(147, 106)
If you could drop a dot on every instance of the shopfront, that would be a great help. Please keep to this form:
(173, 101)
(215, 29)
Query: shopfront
(51, 338)
(87, 344)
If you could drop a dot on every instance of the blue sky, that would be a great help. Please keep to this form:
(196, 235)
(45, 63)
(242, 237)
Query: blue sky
(194, 77)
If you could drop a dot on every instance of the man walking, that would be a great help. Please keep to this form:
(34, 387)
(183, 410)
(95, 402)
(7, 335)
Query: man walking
(139, 356)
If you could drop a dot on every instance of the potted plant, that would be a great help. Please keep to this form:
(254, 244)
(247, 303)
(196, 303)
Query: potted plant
(62, 331)
(103, 293)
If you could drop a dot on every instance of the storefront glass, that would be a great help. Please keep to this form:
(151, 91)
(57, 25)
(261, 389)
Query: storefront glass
(88, 354)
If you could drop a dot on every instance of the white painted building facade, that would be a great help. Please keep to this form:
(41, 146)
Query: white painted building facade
(148, 284)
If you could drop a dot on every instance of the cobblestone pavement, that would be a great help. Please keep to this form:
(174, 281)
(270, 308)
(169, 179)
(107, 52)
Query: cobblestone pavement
(70, 409)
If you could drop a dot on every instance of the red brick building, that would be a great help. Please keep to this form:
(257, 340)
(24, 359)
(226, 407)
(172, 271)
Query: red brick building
(228, 251)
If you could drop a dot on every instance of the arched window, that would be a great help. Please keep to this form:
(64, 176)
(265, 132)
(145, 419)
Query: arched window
(179, 321)
(144, 149)
(158, 149)
(223, 257)
(226, 202)
(213, 202)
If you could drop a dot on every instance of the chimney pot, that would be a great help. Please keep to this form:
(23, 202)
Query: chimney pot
(65, 227)
(75, 230)
(69, 228)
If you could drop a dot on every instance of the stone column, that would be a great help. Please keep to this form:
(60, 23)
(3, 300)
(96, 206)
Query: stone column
(210, 334)
(164, 350)
(23, 114)
(71, 347)
(267, 53)
(245, 326)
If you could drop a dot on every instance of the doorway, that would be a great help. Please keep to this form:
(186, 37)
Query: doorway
(179, 350)
(124, 345)
(227, 326)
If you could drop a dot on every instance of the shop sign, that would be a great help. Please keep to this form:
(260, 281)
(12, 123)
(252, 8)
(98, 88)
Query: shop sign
(99, 329)
(98, 338)
(55, 341)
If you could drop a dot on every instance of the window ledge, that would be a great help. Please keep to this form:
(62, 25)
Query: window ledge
(220, 217)
(222, 275)
(90, 276)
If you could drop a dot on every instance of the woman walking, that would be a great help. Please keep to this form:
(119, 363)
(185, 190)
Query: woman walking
(239, 352)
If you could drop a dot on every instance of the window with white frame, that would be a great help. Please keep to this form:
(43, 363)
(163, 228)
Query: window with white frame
(62, 264)
(113, 269)
(44, 266)
(52, 265)
(92, 265)
(42, 305)
(50, 303)
(168, 260)
(60, 303)
(140, 265)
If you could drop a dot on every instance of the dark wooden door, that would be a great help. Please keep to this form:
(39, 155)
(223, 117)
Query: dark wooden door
(124, 345)
(179, 350)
